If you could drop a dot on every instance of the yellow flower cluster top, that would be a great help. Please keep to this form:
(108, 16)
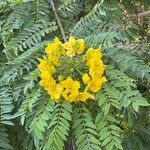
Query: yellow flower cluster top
(70, 71)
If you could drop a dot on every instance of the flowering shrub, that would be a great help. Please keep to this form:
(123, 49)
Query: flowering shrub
(71, 71)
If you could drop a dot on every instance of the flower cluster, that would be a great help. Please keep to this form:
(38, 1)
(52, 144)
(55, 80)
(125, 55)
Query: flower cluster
(64, 80)
(94, 79)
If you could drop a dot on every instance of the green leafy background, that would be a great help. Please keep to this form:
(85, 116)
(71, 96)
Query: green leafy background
(118, 118)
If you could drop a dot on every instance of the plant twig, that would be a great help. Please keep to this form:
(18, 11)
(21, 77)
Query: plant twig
(58, 20)
(139, 15)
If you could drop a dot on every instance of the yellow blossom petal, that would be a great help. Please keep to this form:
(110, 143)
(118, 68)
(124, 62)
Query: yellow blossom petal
(71, 89)
(45, 66)
(60, 77)
(96, 84)
(83, 96)
(85, 78)
(74, 46)
(65, 94)
(79, 46)
(54, 50)
(55, 91)
(67, 83)
(72, 97)
(72, 40)
(70, 52)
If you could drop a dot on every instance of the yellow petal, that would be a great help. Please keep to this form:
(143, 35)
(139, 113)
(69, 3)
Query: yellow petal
(72, 40)
(60, 77)
(96, 84)
(67, 45)
(98, 53)
(72, 97)
(85, 78)
(70, 52)
(56, 92)
(57, 41)
(46, 75)
(65, 94)
(76, 84)
(79, 46)
(83, 96)
(67, 83)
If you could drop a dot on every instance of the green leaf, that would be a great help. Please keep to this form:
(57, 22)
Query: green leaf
(135, 106)
(59, 143)
(106, 109)
(38, 133)
(106, 141)
(142, 102)
(92, 131)
(103, 131)
(110, 146)
(66, 115)
(102, 99)
(81, 138)
(118, 145)
(95, 141)
(63, 130)
(104, 136)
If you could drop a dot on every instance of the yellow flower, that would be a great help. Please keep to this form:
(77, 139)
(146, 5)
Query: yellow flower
(46, 75)
(74, 46)
(94, 62)
(54, 51)
(56, 46)
(96, 70)
(85, 78)
(47, 80)
(65, 94)
(45, 66)
(71, 89)
(95, 52)
(70, 95)
(70, 52)
(60, 77)
(93, 56)
(55, 91)
(69, 83)
(73, 96)
(83, 96)
(79, 46)
(96, 84)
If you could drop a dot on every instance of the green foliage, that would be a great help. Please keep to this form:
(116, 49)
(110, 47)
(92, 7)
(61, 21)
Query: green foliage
(109, 103)
(58, 128)
(6, 105)
(117, 119)
(71, 8)
(128, 63)
(109, 132)
(104, 39)
(5, 143)
(30, 36)
(25, 140)
(132, 142)
(39, 121)
(84, 129)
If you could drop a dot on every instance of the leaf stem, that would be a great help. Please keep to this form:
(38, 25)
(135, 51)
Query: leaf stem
(78, 70)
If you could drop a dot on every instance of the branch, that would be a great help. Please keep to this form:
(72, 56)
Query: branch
(58, 20)
(139, 15)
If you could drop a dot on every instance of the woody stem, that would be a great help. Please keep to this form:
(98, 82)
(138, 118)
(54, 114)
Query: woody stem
(58, 21)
